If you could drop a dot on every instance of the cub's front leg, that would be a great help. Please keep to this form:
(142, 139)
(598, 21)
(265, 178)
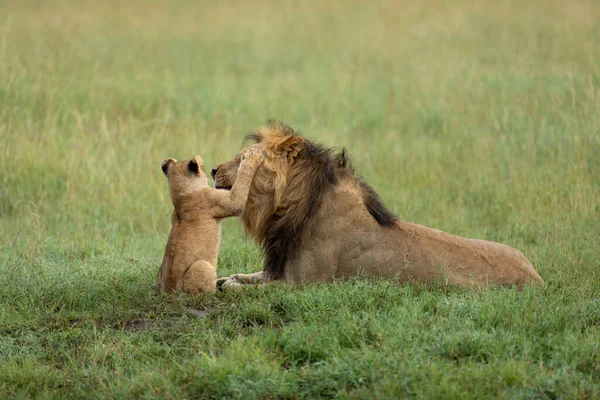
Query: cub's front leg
(231, 203)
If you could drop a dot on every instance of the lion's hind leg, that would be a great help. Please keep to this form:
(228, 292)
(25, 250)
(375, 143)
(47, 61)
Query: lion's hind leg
(201, 277)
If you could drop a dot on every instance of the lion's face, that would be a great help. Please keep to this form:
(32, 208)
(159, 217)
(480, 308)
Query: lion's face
(225, 174)
(279, 153)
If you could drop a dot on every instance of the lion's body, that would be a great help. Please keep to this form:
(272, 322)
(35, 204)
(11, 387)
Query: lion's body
(190, 259)
(347, 241)
(317, 221)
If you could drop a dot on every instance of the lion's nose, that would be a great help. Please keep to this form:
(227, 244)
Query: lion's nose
(213, 172)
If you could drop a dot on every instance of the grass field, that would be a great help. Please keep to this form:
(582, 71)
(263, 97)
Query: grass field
(477, 118)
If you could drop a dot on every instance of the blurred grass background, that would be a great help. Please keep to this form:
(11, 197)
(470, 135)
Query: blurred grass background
(484, 112)
(480, 118)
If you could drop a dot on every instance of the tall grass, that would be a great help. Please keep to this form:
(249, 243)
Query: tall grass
(477, 118)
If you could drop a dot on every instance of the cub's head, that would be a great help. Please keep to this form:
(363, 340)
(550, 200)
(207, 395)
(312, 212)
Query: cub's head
(184, 176)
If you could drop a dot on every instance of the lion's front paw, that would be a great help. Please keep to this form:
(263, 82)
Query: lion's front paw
(221, 281)
(229, 283)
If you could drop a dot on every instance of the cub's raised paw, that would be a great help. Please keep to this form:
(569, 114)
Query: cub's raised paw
(253, 154)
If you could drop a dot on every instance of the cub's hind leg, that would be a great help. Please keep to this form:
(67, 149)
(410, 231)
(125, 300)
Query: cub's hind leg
(200, 277)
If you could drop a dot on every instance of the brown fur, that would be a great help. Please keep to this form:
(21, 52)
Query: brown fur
(190, 259)
(315, 220)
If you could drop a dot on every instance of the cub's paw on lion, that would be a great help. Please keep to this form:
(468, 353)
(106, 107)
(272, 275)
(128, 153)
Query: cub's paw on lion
(253, 155)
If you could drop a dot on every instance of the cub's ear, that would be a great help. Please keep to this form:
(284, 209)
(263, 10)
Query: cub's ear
(165, 164)
(195, 164)
(290, 147)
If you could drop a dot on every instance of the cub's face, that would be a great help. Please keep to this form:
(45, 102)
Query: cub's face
(184, 176)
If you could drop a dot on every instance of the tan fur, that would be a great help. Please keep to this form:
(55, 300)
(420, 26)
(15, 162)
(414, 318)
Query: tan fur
(345, 240)
(190, 259)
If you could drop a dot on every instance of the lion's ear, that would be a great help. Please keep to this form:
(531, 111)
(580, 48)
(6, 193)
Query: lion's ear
(165, 164)
(290, 147)
(343, 159)
(195, 164)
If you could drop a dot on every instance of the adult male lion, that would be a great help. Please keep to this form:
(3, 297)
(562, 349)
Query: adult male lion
(315, 220)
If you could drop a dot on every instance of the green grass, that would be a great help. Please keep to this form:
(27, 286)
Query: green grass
(478, 118)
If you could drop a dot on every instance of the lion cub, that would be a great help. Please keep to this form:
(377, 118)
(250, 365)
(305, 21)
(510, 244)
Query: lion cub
(190, 259)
